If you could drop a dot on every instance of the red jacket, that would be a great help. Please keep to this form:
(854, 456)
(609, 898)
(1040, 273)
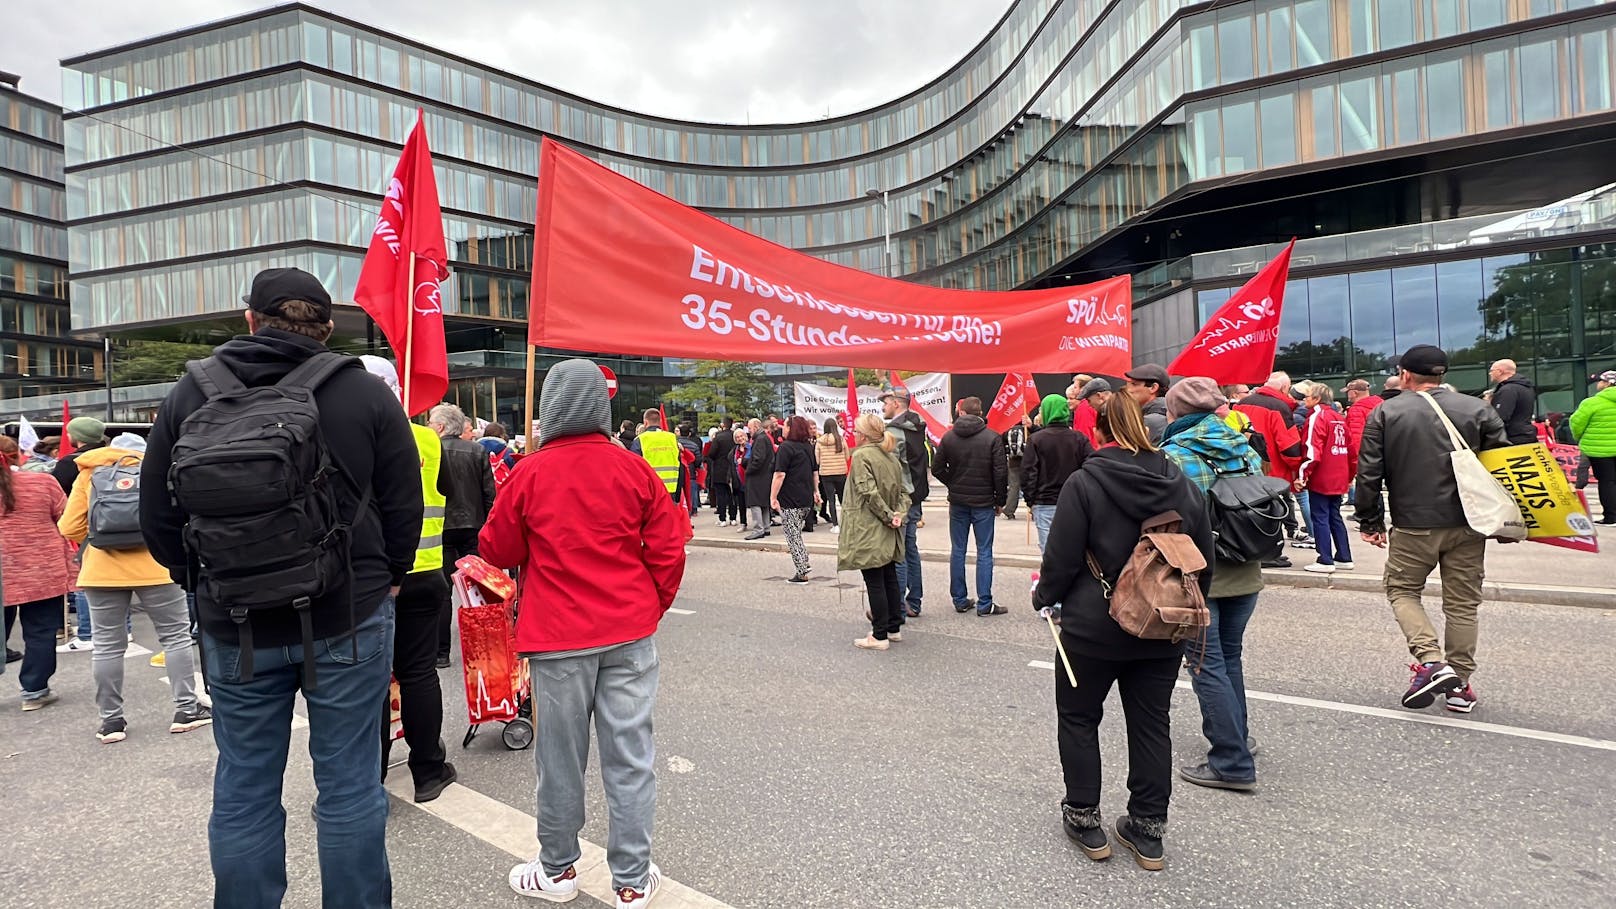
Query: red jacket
(1357, 415)
(1085, 418)
(600, 543)
(1325, 469)
(1284, 443)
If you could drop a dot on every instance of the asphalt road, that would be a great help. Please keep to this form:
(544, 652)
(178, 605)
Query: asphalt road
(796, 771)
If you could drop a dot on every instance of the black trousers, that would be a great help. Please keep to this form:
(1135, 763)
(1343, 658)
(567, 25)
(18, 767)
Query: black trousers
(1604, 470)
(1147, 689)
(830, 490)
(726, 499)
(886, 603)
(457, 544)
(420, 697)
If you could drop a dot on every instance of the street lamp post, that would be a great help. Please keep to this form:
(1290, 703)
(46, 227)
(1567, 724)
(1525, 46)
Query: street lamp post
(886, 218)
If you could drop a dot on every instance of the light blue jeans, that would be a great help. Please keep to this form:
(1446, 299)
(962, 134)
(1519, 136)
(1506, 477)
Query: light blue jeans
(1043, 517)
(618, 687)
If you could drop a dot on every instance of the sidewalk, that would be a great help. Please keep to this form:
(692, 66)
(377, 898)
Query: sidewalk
(1518, 572)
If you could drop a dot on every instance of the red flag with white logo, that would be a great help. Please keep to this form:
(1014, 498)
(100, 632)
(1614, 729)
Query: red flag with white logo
(935, 428)
(1238, 343)
(400, 280)
(1011, 403)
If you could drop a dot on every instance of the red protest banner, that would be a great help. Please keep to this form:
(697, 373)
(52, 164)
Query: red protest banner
(1237, 344)
(935, 428)
(619, 267)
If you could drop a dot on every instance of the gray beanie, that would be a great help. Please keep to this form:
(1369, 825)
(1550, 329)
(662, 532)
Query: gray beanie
(573, 401)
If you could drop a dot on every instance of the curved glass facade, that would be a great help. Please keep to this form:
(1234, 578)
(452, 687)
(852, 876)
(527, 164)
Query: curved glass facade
(1070, 121)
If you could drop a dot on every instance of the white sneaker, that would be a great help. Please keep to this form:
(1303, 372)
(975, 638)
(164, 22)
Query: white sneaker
(1317, 568)
(1344, 566)
(530, 880)
(75, 645)
(629, 898)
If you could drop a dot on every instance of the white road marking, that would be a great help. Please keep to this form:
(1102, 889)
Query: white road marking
(681, 611)
(1558, 738)
(513, 831)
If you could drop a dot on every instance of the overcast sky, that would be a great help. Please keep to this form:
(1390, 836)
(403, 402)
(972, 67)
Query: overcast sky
(731, 61)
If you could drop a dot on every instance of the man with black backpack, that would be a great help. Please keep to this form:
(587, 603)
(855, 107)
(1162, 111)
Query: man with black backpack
(282, 484)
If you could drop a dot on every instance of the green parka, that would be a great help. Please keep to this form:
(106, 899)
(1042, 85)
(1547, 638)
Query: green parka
(874, 494)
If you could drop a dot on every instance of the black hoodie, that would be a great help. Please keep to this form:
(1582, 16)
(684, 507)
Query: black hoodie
(971, 463)
(1515, 398)
(366, 431)
(1101, 509)
(912, 432)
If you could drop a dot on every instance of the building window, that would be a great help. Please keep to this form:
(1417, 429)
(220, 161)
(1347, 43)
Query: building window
(1540, 81)
(1444, 98)
(1360, 124)
(1278, 130)
(1312, 32)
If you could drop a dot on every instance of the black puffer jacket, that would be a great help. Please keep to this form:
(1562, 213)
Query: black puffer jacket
(468, 483)
(971, 463)
(1101, 509)
(1515, 399)
(1053, 454)
(1406, 450)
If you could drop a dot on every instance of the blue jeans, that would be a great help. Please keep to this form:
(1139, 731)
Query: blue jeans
(1330, 536)
(1043, 517)
(252, 727)
(41, 619)
(1220, 686)
(911, 586)
(962, 522)
(1305, 507)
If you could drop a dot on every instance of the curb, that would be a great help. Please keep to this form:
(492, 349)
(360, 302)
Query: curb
(1540, 594)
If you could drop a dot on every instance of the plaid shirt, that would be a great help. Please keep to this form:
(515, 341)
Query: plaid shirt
(1204, 448)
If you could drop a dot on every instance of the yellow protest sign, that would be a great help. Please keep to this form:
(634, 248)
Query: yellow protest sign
(1547, 502)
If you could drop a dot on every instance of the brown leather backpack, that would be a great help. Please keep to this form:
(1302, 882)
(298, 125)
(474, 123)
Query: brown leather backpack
(1157, 595)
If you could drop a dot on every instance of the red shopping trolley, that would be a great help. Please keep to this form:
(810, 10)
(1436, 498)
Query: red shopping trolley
(498, 689)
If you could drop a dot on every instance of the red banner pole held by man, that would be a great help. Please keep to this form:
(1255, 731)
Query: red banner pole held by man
(1237, 345)
(400, 280)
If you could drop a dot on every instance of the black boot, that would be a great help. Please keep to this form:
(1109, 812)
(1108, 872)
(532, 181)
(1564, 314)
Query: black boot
(1082, 825)
(1143, 837)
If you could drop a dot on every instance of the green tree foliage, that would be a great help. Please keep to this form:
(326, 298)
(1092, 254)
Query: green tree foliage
(142, 361)
(720, 388)
(875, 377)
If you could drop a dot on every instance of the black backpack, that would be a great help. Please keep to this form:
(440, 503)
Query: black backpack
(114, 518)
(1248, 516)
(255, 478)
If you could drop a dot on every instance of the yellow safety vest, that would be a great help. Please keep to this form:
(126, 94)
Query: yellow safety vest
(429, 552)
(661, 450)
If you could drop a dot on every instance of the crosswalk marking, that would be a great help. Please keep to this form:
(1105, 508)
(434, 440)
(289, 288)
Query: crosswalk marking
(513, 831)
(677, 611)
(1410, 716)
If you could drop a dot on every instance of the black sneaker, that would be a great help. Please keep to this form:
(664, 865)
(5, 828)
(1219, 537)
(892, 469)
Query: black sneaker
(964, 606)
(194, 717)
(112, 730)
(1082, 825)
(1204, 775)
(1143, 837)
(430, 791)
(994, 609)
(798, 578)
(1281, 562)
(13, 656)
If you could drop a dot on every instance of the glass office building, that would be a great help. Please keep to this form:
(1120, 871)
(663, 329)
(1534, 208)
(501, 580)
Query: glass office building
(36, 355)
(1080, 138)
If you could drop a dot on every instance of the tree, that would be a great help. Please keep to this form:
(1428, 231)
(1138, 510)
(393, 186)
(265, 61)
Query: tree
(875, 377)
(721, 388)
(154, 361)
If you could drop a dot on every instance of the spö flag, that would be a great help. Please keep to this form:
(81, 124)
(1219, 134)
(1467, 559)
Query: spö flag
(619, 267)
(1237, 344)
(399, 281)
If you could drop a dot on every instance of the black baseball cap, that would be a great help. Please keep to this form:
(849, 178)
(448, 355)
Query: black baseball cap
(274, 286)
(1424, 360)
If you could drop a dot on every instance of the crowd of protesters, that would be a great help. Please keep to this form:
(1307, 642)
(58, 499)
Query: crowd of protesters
(1097, 468)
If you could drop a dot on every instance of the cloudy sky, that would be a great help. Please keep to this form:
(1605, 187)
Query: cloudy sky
(734, 61)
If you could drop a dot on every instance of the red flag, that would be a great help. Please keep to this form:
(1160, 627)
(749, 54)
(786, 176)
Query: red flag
(1029, 391)
(662, 413)
(1011, 403)
(934, 427)
(67, 440)
(852, 412)
(1237, 344)
(399, 282)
